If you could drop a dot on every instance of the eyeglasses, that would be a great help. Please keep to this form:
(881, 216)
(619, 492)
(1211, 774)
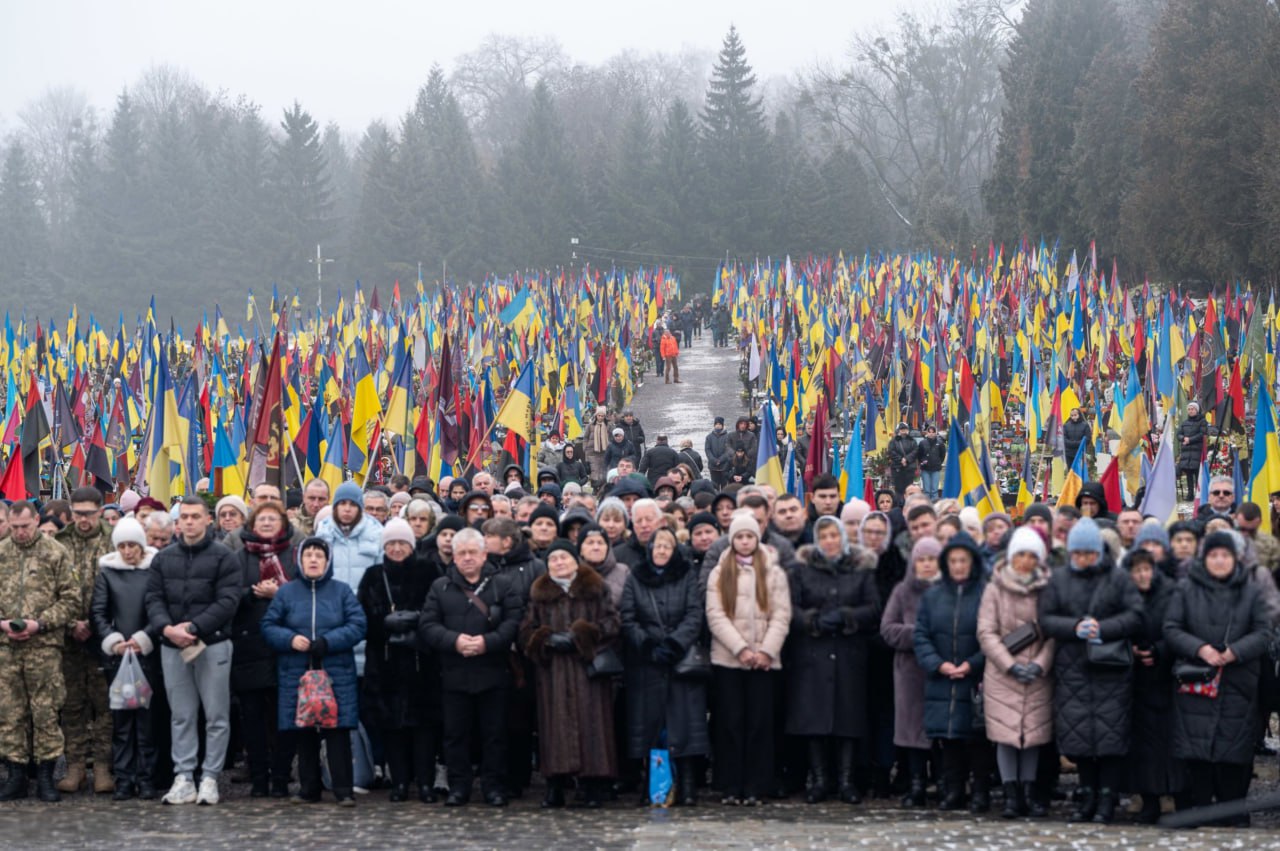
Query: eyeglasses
(84, 512)
(1220, 493)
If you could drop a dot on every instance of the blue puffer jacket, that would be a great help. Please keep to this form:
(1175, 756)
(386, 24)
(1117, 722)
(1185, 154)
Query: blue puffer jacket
(352, 554)
(316, 608)
(947, 631)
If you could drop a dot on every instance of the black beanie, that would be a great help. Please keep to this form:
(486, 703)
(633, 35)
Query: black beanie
(561, 544)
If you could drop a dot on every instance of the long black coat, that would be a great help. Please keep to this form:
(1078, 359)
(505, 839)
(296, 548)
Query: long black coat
(1223, 614)
(1152, 767)
(1193, 429)
(1092, 706)
(449, 613)
(401, 683)
(947, 631)
(1073, 434)
(253, 662)
(826, 671)
(655, 699)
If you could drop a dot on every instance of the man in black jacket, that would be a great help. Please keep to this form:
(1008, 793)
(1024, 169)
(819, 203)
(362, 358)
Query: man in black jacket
(192, 595)
(659, 460)
(932, 453)
(719, 453)
(470, 620)
(903, 454)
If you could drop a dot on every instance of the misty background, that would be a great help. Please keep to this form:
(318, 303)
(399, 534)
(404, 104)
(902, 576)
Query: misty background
(1148, 126)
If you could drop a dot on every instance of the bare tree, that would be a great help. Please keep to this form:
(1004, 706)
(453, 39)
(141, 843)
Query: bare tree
(50, 126)
(921, 106)
(493, 82)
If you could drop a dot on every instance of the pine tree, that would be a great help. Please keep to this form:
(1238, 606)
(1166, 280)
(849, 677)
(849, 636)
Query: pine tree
(377, 247)
(736, 152)
(540, 186)
(24, 238)
(627, 220)
(679, 201)
(303, 194)
(456, 215)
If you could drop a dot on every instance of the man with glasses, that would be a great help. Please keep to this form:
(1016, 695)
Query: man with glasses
(39, 598)
(86, 717)
(377, 505)
(1222, 500)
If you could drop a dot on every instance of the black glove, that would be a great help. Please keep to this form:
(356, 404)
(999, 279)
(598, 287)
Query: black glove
(831, 620)
(319, 647)
(1019, 672)
(664, 655)
(561, 642)
(1033, 671)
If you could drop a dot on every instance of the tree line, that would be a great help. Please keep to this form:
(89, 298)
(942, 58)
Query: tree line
(1145, 125)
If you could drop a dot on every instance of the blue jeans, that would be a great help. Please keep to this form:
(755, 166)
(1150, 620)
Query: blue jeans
(929, 481)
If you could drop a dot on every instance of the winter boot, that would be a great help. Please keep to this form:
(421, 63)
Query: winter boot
(554, 798)
(848, 789)
(1086, 805)
(74, 779)
(915, 796)
(817, 791)
(103, 782)
(1106, 811)
(687, 782)
(1034, 806)
(1012, 805)
(1150, 812)
(46, 789)
(981, 800)
(15, 786)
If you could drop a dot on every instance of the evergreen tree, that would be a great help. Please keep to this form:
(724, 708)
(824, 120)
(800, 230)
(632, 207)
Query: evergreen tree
(678, 201)
(1030, 191)
(24, 238)
(1206, 90)
(540, 185)
(377, 252)
(628, 220)
(303, 195)
(740, 190)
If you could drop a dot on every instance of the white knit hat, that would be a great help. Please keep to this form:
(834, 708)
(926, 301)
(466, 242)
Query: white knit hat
(743, 521)
(130, 531)
(398, 529)
(1026, 540)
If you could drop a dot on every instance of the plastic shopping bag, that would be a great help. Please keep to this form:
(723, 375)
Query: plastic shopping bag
(129, 689)
(662, 786)
(317, 704)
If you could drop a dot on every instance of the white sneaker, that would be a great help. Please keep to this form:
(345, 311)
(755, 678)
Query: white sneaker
(360, 790)
(442, 779)
(208, 791)
(183, 791)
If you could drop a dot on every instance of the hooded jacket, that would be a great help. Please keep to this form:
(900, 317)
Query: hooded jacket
(323, 608)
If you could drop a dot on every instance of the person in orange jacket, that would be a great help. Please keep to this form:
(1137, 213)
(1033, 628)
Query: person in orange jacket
(670, 350)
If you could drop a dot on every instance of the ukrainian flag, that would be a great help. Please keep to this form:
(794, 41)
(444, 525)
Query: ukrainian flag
(768, 467)
(1264, 474)
(1075, 479)
(517, 410)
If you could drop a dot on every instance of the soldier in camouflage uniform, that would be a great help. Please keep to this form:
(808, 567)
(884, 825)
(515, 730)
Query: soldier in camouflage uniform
(86, 717)
(315, 496)
(39, 597)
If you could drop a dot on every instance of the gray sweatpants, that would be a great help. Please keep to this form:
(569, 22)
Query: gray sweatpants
(205, 682)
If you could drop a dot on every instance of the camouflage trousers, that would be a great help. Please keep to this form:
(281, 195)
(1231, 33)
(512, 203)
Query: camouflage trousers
(31, 693)
(86, 717)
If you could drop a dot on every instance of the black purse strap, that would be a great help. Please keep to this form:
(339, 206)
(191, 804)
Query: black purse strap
(657, 613)
(386, 583)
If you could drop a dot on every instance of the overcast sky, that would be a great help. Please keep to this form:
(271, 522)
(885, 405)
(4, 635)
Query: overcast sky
(351, 62)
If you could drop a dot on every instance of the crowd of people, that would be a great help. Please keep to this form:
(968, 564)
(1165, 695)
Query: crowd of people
(636, 597)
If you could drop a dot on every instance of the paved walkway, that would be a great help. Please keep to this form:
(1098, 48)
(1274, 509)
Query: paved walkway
(709, 387)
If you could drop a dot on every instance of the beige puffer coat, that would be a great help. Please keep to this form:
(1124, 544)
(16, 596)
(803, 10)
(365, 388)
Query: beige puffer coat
(750, 627)
(1016, 714)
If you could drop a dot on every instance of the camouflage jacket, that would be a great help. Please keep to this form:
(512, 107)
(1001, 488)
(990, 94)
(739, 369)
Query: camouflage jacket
(85, 552)
(38, 581)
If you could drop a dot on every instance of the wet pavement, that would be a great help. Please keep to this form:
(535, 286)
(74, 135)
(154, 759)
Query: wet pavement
(709, 387)
(88, 822)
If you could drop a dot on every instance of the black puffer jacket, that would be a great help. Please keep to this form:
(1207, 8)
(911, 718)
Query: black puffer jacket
(932, 453)
(521, 567)
(118, 608)
(1193, 430)
(903, 448)
(449, 613)
(1073, 434)
(1092, 705)
(573, 469)
(199, 583)
(1223, 614)
(401, 682)
(658, 461)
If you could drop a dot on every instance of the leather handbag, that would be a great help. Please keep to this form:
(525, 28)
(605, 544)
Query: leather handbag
(1021, 638)
(696, 662)
(1109, 655)
(606, 664)
(401, 626)
(1191, 671)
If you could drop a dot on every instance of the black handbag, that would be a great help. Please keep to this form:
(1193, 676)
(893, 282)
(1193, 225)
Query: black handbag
(696, 662)
(1109, 655)
(1191, 671)
(1021, 638)
(401, 627)
(607, 663)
